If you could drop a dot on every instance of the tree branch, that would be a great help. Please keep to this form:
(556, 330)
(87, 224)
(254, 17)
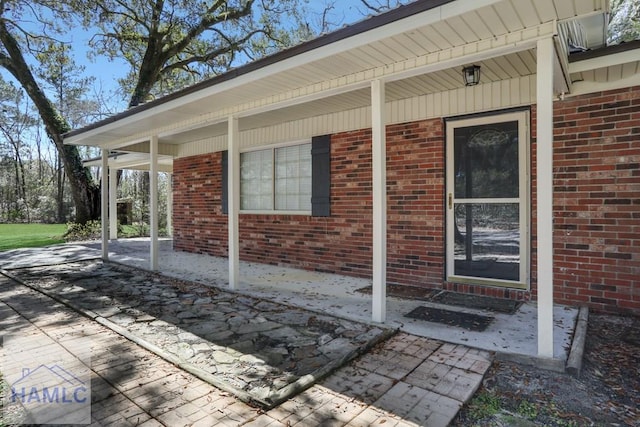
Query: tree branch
(209, 20)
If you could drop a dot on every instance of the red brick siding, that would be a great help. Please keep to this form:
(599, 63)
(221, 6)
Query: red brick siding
(342, 242)
(415, 203)
(596, 208)
(597, 201)
(198, 223)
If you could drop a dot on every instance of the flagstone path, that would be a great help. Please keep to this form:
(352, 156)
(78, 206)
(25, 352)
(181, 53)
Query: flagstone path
(260, 351)
(403, 381)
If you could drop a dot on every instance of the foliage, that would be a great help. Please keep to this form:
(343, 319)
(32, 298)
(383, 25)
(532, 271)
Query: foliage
(484, 404)
(527, 409)
(624, 23)
(134, 186)
(27, 177)
(20, 43)
(173, 43)
(168, 43)
(91, 230)
(30, 235)
(64, 79)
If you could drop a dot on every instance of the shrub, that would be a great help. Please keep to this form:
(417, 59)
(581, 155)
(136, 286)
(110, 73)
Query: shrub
(89, 231)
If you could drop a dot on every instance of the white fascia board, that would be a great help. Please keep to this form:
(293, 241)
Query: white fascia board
(304, 99)
(583, 88)
(124, 143)
(361, 39)
(604, 61)
(126, 160)
(193, 126)
(134, 164)
(457, 8)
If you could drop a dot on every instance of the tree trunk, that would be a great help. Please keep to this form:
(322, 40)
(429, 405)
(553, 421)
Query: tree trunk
(60, 188)
(85, 192)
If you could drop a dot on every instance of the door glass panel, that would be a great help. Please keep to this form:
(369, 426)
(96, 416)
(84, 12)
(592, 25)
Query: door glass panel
(487, 240)
(486, 161)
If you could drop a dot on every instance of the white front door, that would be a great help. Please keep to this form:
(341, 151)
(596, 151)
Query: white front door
(487, 200)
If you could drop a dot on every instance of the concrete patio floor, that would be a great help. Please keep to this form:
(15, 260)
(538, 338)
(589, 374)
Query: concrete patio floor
(509, 335)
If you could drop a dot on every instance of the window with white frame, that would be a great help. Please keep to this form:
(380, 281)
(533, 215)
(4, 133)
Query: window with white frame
(276, 179)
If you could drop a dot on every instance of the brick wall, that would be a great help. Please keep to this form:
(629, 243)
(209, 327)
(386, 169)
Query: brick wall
(198, 223)
(415, 203)
(597, 200)
(596, 208)
(340, 243)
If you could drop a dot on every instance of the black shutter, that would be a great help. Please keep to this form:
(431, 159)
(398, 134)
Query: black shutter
(225, 186)
(321, 175)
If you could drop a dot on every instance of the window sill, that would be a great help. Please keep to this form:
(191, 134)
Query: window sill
(258, 212)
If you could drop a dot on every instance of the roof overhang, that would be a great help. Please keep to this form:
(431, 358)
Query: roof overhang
(416, 49)
(133, 161)
(606, 68)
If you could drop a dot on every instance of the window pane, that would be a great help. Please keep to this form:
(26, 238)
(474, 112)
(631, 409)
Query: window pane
(293, 177)
(487, 240)
(256, 180)
(486, 161)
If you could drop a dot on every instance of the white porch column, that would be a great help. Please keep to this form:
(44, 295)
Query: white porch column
(233, 196)
(113, 205)
(379, 160)
(544, 177)
(153, 201)
(104, 206)
(170, 204)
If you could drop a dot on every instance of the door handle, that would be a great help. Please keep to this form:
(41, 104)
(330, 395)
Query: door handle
(450, 200)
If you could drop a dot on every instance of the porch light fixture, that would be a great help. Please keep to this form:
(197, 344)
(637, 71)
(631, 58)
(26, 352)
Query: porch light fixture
(471, 75)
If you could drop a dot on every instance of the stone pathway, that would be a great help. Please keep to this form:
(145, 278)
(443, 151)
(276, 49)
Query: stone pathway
(260, 351)
(403, 381)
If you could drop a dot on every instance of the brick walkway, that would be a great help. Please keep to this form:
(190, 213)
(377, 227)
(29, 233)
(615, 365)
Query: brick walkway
(406, 381)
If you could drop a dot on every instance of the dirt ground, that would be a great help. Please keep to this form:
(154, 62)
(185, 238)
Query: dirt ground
(607, 392)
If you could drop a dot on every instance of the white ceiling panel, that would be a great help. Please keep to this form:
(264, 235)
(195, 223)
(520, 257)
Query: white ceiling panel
(527, 13)
(630, 69)
(475, 24)
(583, 7)
(545, 9)
(421, 39)
(448, 34)
(509, 16)
(492, 20)
(565, 8)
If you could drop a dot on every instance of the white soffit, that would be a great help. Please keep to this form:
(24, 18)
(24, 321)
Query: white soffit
(451, 27)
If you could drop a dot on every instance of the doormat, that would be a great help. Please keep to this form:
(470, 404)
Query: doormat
(407, 292)
(501, 305)
(471, 322)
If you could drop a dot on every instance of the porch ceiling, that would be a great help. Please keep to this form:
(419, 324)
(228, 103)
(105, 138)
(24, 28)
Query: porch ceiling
(494, 69)
(334, 76)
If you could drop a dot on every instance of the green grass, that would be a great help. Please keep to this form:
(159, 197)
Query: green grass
(14, 236)
(484, 404)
